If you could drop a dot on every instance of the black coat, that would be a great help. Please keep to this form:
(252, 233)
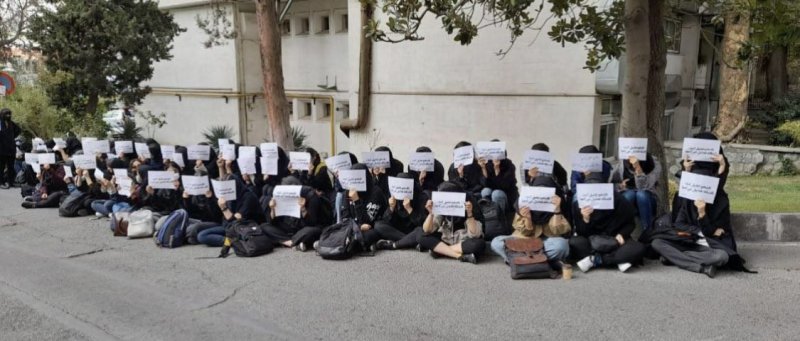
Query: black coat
(8, 132)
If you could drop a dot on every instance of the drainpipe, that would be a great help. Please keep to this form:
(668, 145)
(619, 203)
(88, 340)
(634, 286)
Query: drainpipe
(242, 102)
(364, 72)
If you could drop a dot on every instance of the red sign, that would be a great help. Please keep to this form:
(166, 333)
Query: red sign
(8, 83)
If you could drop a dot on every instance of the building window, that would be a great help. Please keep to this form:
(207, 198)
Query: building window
(610, 111)
(324, 111)
(343, 111)
(672, 34)
(286, 27)
(303, 25)
(341, 26)
(324, 24)
(306, 109)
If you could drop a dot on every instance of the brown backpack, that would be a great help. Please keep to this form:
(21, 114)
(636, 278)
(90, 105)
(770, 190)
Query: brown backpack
(527, 259)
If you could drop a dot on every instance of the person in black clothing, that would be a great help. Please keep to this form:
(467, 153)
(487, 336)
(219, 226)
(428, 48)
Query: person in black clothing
(381, 175)
(428, 181)
(8, 148)
(455, 237)
(299, 233)
(469, 177)
(365, 209)
(559, 173)
(50, 189)
(244, 208)
(202, 212)
(604, 236)
(500, 181)
(338, 195)
(401, 226)
(161, 201)
(317, 176)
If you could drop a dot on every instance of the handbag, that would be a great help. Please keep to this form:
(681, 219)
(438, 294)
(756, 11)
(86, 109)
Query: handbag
(527, 259)
(140, 224)
(602, 243)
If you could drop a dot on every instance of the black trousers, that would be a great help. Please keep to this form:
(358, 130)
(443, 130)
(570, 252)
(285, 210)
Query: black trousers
(7, 169)
(690, 257)
(402, 239)
(630, 252)
(308, 234)
(53, 200)
(474, 246)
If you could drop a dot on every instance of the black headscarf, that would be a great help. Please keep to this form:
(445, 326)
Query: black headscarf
(396, 165)
(432, 179)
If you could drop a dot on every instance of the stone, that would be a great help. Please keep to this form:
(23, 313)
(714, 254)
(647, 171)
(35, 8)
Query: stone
(791, 227)
(749, 226)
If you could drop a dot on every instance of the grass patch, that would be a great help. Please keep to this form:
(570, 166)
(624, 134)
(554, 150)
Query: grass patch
(764, 194)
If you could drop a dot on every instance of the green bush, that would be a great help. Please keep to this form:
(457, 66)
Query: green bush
(35, 114)
(791, 131)
(775, 116)
(214, 133)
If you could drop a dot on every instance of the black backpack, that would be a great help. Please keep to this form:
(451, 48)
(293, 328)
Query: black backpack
(248, 239)
(339, 241)
(72, 204)
(494, 222)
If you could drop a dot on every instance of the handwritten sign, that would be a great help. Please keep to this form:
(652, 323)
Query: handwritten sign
(632, 146)
(269, 165)
(590, 162)
(223, 142)
(269, 149)
(168, 152)
(46, 159)
(68, 172)
(449, 203)
(198, 152)
(224, 189)
(121, 173)
(31, 158)
(124, 187)
(84, 161)
(463, 156)
(161, 179)
(537, 198)
(338, 162)
(700, 149)
(39, 145)
(286, 201)
(37, 168)
(98, 174)
(491, 150)
(598, 196)
(421, 162)
(60, 143)
(125, 147)
(538, 159)
(401, 188)
(353, 179)
(195, 185)
(228, 152)
(299, 160)
(698, 187)
(96, 147)
(377, 159)
(247, 165)
(247, 152)
(142, 150)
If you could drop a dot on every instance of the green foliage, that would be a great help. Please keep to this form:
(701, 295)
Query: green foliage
(35, 115)
(776, 116)
(791, 129)
(218, 28)
(109, 48)
(787, 168)
(214, 133)
(299, 137)
(154, 122)
(130, 131)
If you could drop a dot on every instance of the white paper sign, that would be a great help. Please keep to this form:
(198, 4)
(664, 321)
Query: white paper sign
(299, 160)
(195, 185)
(31, 158)
(463, 156)
(125, 147)
(449, 203)
(591, 162)
(338, 162)
(124, 187)
(68, 172)
(698, 187)
(632, 146)
(269, 166)
(538, 159)
(121, 173)
(98, 174)
(537, 198)
(269, 149)
(224, 189)
(84, 161)
(247, 165)
(198, 152)
(376, 159)
(247, 152)
(223, 142)
(598, 196)
(700, 149)
(142, 150)
(353, 179)
(421, 162)
(168, 152)
(228, 152)
(491, 150)
(96, 147)
(160, 179)
(37, 168)
(46, 159)
(401, 188)
(60, 143)
(286, 201)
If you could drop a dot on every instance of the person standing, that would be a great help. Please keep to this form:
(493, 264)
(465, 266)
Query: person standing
(8, 148)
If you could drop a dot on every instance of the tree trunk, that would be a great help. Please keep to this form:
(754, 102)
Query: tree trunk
(272, 71)
(777, 74)
(655, 98)
(637, 58)
(734, 77)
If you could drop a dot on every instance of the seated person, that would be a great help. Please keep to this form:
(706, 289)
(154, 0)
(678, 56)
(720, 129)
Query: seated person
(637, 180)
(455, 237)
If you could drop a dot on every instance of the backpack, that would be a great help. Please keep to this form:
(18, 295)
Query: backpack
(72, 203)
(119, 224)
(172, 231)
(494, 223)
(140, 224)
(527, 259)
(248, 239)
(339, 241)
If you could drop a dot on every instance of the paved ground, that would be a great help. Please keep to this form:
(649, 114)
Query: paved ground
(70, 279)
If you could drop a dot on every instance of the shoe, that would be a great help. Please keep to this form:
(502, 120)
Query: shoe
(5, 186)
(315, 245)
(469, 258)
(624, 266)
(419, 248)
(302, 247)
(709, 270)
(384, 244)
(586, 263)
(98, 214)
(665, 261)
(434, 255)
(370, 251)
(28, 204)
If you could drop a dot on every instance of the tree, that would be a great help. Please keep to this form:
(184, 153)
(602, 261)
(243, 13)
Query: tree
(776, 31)
(734, 82)
(15, 17)
(109, 47)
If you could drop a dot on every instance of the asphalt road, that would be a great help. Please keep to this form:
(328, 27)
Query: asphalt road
(70, 279)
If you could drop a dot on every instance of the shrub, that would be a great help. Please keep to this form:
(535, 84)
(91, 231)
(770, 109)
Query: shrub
(791, 130)
(35, 114)
(299, 138)
(787, 168)
(214, 133)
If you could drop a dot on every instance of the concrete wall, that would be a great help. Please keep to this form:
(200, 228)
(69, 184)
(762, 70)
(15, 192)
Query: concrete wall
(690, 48)
(743, 159)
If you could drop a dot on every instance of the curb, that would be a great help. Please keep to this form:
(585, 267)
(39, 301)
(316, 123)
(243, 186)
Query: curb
(780, 227)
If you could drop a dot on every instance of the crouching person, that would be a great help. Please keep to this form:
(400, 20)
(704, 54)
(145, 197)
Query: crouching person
(298, 233)
(455, 237)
